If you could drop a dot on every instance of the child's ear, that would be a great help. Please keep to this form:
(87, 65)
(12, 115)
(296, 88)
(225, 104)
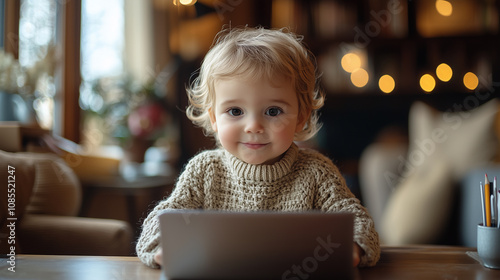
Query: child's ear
(213, 120)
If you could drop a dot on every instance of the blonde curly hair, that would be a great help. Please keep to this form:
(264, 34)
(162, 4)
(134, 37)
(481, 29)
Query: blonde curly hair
(257, 53)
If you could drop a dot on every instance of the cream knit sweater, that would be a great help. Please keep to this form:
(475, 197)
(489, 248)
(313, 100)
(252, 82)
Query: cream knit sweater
(302, 180)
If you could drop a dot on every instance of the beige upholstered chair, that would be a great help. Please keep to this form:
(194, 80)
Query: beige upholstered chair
(47, 202)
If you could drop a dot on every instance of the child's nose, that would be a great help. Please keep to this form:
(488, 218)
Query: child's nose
(254, 125)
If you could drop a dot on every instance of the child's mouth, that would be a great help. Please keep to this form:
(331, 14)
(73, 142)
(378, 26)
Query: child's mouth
(254, 146)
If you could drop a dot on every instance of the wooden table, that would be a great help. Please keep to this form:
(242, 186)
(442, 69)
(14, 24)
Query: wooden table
(31, 267)
(413, 262)
(153, 187)
(426, 263)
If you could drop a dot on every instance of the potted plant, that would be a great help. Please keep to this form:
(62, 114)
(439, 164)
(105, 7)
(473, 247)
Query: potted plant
(127, 113)
(21, 86)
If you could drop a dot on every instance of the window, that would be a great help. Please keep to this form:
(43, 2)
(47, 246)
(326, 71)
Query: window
(37, 39)
(102, 39)
(102, 66)
(37, 30)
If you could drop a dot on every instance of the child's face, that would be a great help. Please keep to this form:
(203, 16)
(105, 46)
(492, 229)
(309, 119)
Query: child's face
(256, 120)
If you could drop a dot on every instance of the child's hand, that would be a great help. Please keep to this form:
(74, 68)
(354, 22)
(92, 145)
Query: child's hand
(356, 254)
(158, 257)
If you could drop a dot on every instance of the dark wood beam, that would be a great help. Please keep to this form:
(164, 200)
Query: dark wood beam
(70, 90)
(11, 23)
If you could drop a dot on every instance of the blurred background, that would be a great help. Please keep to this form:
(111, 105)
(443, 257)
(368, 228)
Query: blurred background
(103, 60)
(110, 76)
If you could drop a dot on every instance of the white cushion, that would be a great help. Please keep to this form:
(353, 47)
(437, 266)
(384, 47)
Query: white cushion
(443, 147)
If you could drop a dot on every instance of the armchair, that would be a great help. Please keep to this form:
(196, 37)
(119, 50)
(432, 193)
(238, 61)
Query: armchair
(44, 211)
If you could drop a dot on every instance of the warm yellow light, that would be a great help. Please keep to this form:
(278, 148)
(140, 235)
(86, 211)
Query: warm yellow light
(444, 8)
(350, 62)
(386, 84)
(359, 77)
(427, 83)
(184, 2)
(444, 72)
(471, 81)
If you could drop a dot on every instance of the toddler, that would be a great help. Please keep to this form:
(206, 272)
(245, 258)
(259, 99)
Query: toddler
(257, 93)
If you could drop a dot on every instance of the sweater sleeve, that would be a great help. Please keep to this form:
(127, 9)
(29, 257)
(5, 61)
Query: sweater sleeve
(334, 196)
(187, 194)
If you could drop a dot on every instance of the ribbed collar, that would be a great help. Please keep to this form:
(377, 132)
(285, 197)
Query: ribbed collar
(263, 172)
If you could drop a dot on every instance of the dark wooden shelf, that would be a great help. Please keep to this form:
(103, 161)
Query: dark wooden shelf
(484, 41)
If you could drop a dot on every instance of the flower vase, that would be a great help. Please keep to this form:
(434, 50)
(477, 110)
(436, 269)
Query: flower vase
(15, 108)
(12, 107)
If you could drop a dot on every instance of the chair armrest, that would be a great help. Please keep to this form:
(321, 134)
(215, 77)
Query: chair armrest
(63, 235)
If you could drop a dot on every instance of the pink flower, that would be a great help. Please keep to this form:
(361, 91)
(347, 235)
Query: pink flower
(146, 120)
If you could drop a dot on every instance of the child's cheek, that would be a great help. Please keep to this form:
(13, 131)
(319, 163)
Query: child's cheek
(227, 133)
(279, 125)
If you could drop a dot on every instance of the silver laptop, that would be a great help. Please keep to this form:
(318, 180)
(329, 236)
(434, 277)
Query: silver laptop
(201, 244)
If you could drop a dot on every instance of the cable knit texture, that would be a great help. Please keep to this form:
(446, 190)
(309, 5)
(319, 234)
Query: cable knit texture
(302, 180)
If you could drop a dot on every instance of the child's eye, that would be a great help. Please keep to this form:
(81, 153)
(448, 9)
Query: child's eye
(235, 112)
(274, 111)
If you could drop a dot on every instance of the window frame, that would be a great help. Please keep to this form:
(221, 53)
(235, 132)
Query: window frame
(68, 111)
(10, 29)
(67, 77)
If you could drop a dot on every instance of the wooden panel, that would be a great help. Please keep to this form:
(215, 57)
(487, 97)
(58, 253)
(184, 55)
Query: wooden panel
(70, 90)
(11, 32)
